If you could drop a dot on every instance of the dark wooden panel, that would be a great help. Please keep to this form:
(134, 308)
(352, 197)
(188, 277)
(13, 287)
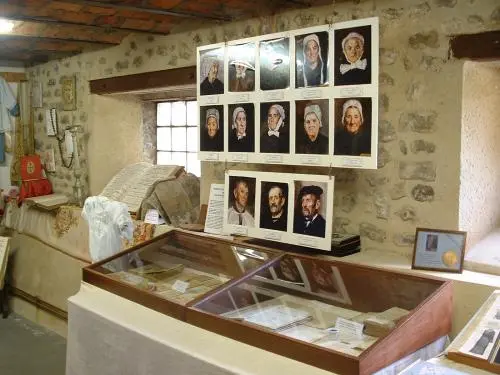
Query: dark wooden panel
(482, 46)
(144, 81)
(429, 321)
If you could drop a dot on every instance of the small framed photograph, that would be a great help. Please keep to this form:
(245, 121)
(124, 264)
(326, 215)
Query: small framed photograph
(439, 250)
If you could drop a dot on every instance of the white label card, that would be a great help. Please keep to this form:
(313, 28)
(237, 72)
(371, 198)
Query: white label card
(351, 91)
(272, 236)
(212, 156)
(180, 286)
(153, 217)
(348, 162)
(308, 94)
(241, 98)
(239, 157)
(274, 95)
(349, 328)
(242, 231)
(210, 100)
(273, 158)
(309, 159)
(310, 242)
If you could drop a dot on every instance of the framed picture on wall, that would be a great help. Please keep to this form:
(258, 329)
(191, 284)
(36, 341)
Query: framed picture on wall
(68, 90)
(439, 250)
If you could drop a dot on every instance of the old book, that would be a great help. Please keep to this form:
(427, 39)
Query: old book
(4, 256)
(48, 202)
(135, 182)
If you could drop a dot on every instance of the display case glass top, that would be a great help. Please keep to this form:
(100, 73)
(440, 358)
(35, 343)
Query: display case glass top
(173, 270)
(337, 316)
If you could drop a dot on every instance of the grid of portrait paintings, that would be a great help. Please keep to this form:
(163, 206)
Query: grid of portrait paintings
(304, 97)
(283, 207)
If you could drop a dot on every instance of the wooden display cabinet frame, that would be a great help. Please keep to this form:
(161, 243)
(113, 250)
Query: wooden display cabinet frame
(153, 301)
(431, 319)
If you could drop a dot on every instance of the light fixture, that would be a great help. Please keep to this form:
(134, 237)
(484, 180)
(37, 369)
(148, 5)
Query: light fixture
(6, 26)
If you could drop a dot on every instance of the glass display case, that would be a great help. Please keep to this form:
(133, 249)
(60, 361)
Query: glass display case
(340, 317)
(174, 270)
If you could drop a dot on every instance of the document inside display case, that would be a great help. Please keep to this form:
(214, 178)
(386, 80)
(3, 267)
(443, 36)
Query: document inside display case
(177, 267)
(346, 317)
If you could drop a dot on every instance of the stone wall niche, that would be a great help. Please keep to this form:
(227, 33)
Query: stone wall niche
(479, 210)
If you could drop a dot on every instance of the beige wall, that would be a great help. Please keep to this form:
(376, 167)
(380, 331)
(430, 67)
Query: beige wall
(418, 181)
(115, 138)
(480, 174)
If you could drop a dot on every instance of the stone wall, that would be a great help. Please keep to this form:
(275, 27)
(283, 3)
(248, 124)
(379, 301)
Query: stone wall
(417, 183)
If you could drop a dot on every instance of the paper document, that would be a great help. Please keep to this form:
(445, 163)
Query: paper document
(4, 256)
(215, 210)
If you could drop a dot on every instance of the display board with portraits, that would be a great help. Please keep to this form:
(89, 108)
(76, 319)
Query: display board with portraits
(284, 207)
(302, 97)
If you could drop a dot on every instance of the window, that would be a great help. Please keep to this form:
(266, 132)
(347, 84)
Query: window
(177, 134)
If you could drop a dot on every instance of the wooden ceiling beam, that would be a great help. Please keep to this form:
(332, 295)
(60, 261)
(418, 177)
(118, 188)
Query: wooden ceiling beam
(82, 43)
(148, 10)
(64, 32)
(98, 28)
(482, 46)
(144, 81)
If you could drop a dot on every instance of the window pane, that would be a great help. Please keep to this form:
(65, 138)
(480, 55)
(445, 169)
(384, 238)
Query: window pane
(163, 114)
(163, 139)
(163, 158)
(193, 164)
(179, 158)
(192, 139)
(178, 139)
(192, 113)
(179, 113)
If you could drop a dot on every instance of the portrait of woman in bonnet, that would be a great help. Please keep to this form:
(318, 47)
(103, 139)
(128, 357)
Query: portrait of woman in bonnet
(242, 123)
(353, 59)
(211, 73)
(353, 131)
(311, 56)
(275, 137)
(212, 133)
(312, 125)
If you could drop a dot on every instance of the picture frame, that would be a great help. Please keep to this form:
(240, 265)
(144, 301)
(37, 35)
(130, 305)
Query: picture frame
(439, 250)
(285, 207)
(68, 93)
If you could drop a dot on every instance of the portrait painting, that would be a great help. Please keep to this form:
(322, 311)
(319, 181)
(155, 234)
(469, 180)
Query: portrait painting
(311, 127)
(274, 205)
(325, 280)
(289, 270)
(241, 201)
(431, 243)
(275, 64)
(353, 56)
(242, 67)
(212, 128)
(310, 208)
(212, 71)
(241, 127)
(353, 126)
(275, 127)
(311, 59)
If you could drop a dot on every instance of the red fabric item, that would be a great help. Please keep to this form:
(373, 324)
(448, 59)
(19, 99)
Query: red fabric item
(34, 188)
(31, 168)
